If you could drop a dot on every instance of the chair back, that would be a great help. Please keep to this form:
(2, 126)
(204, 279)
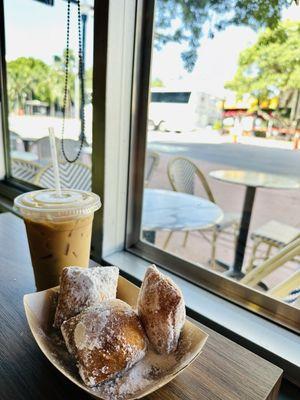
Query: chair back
(71, 148)
(72, 176)
(182, 174)
(24, 170)
(286, 254)
(41, 147)
(152, 161)
(16, 143)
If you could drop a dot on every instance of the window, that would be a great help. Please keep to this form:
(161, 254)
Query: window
(182, 93)
(220, 190)
(35, 58)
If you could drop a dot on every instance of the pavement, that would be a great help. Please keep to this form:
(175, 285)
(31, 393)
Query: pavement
(262, 155)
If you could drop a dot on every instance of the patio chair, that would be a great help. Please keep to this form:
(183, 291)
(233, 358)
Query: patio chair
(41, 147)
(72, 176)
(183, 174)
(16, 142)
(289, 290)
(71, 148)
(273, 234)
(152, 161)
(286, 289)
(24, 170)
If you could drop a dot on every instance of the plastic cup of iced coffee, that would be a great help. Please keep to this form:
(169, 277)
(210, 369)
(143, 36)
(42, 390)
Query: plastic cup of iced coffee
(59, 230)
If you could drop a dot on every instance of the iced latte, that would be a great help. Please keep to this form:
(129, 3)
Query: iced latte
(58, 230)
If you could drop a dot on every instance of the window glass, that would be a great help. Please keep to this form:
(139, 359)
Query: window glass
(222, 183)
(35, 33)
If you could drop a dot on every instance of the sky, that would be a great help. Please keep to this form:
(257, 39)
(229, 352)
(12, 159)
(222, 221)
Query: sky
(217, 59)
(35, 29)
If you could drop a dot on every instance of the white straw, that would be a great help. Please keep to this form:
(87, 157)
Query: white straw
(54, 161)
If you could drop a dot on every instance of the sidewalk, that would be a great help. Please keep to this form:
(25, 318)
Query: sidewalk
(213, 137)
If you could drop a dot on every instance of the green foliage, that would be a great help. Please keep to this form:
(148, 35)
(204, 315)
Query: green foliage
(29, 78)
(183, 21)
(157, 82)
(26, 81)
(271, 65)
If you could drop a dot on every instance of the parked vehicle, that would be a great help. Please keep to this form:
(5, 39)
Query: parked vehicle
(179, 110)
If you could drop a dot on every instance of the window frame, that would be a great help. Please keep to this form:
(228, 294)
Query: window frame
(125, 183)
(119, 25)
(10, 187)
(253, 300)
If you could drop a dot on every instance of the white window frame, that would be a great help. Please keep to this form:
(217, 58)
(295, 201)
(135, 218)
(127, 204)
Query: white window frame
(130, 26)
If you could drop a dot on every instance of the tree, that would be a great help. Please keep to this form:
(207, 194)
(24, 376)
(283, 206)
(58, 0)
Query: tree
(157, 82)
(31, 79)
(26, 81)
(270, 67)
(183, 21)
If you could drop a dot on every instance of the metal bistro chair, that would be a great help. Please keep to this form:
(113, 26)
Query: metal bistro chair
(72, 176)
(16, 142)
(41, 147)
(182, 174)
(289, 289)
(273, 234)
(152, 161)
(24, 170)
(71, 148)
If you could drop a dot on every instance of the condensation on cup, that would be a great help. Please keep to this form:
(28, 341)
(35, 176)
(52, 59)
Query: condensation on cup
(59, 230)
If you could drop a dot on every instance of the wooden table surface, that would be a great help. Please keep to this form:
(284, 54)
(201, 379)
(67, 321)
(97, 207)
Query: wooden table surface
(223, 371)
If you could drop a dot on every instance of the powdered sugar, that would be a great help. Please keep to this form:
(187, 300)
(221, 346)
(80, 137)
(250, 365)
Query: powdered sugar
(82, 288)
(141, 376)
(105, 340)
(162, 310)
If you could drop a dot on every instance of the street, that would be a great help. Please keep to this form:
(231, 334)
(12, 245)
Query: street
(236, 156)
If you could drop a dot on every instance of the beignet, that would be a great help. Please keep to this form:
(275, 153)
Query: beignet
(84, 287)
(105, 340)
(162, 310)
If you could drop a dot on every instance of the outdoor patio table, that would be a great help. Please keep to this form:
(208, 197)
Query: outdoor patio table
(252, 180)
(165, 210)
(224, 370)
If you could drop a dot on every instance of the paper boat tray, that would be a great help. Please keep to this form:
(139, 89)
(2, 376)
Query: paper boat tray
(145, 377)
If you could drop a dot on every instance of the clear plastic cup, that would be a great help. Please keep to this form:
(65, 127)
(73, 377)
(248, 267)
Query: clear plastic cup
(59, 230)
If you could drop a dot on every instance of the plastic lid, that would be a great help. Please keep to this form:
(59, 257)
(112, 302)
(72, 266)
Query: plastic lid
(46, 204)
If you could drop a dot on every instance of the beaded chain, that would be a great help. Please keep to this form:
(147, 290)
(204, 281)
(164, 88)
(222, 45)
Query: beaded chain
(81, 77)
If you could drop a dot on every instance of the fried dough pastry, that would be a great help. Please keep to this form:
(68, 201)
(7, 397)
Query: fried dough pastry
(105, 340)
(84, 287)
(162, 310)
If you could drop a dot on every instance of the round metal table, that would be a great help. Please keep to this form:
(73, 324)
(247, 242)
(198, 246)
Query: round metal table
(252, 180)
(167, 210)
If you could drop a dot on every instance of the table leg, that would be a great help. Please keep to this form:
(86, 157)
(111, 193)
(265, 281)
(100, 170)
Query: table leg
(149, 236)
(235, 272)
(26, 145)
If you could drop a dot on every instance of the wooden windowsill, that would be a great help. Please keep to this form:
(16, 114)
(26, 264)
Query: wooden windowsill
(224, 370)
